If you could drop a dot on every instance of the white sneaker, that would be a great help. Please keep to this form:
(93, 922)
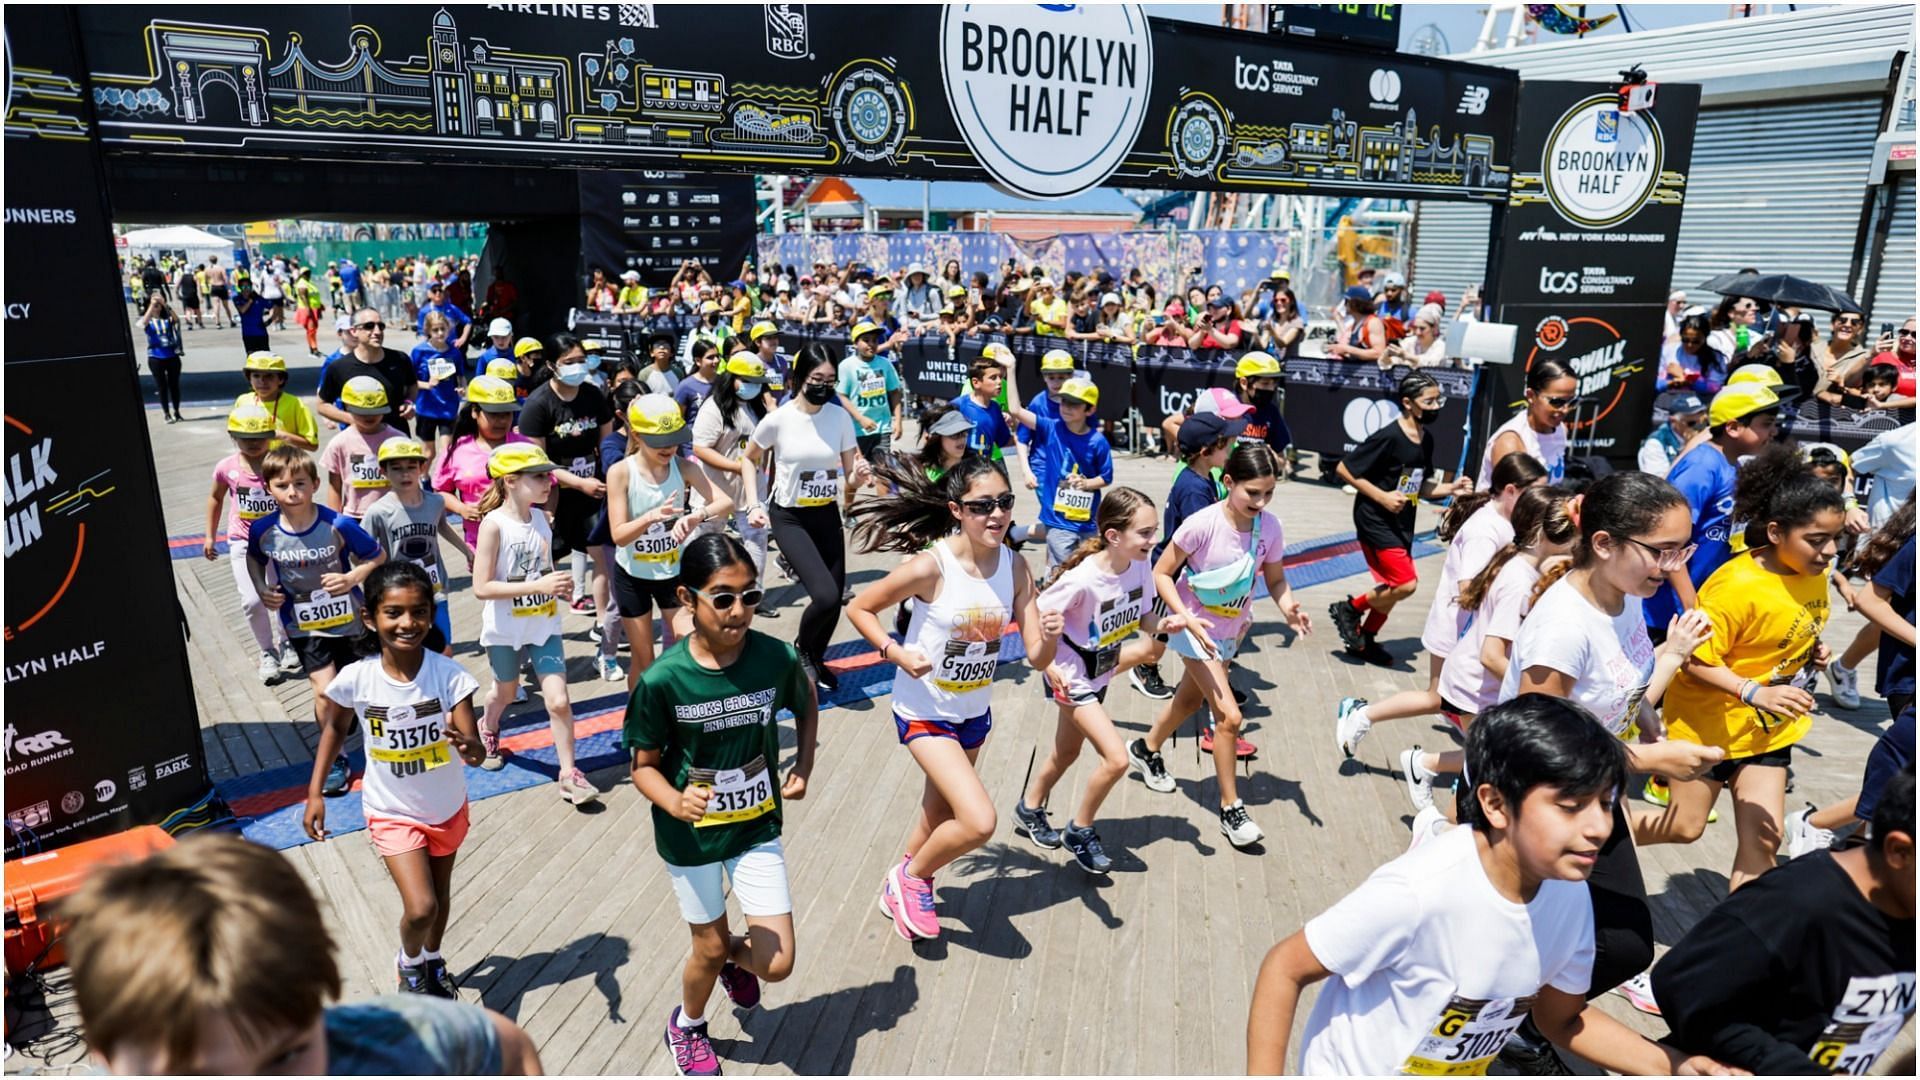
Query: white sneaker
(1351, 724)
(1419, 780)
(1240, 829)
(289, 659)
(269, 667)
(1803, 836)
(610, 670)
(1427, 824)
(1639, 993)
(1846, 685)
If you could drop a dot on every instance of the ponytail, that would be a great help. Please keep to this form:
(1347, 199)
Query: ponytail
(1541, 513)
(1116, 511)
(916, 514)
(494, 497)
(1519, 469)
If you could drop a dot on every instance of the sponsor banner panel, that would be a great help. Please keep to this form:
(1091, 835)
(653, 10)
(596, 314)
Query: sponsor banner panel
(1332, 405)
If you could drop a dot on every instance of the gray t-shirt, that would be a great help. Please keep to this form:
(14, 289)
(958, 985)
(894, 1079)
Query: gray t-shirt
(411, 533)
(411, 1035)
(302, 561)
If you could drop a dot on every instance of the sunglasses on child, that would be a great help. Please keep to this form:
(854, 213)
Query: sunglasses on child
(983, 507)
(723, 601)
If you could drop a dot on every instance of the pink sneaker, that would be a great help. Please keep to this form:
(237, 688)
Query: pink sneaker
(577, 789)
(913, 915)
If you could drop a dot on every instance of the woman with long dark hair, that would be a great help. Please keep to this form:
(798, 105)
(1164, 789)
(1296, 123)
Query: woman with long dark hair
(1690, 361)
(1540, 428)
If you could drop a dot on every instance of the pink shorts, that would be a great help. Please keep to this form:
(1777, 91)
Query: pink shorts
(397, 836)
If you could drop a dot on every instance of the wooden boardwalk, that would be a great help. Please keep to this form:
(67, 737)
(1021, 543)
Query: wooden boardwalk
(565, 921)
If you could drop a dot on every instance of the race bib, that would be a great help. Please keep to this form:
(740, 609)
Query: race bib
(254, 503)
(1410, 485)
(406, 743)
(657, 547)
(736, 795)
(320, 611)
(433, 575)
(1228, 611)
(1867, 1020)
(528, 607)
(1073, 504)
(871, 389)
(1467, 1037)
(366, 474)
(583, 467)
(818, 487)
(964, 666)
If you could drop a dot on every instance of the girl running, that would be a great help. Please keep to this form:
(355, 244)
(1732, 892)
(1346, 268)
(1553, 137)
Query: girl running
(706, 751)
(485, 425)
(1104, 594)
(1221, 549)
(1540, 429)
(1493, 602)
(648, 521)
(414, 706)
(1475, 527)
(251, 429)
(520, 594)
(1746, 691)
(967, 586)
(722, 431)
(442, 370)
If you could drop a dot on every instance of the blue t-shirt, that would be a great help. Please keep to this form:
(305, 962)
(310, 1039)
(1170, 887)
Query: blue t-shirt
(990, 431)
(454, 315)
(490, 354)
(303, 559)
(443, 401)
(253, 321)
(1896, 660)
(1191, 493)
(869, 386)
(349, 277)
(411, 1035)
(1705, 477)
(1264, 424)
(1058, 452)
(1040, 406)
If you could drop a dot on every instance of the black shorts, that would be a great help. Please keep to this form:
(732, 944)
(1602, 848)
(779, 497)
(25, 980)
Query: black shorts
(253, 343)
(635, 597)
(573, 522)
(426, 427)
(218, 292)
(1723, 772)
(320, 653)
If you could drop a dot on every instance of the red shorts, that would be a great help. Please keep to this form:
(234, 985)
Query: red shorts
(1391, 566)
(397, 836)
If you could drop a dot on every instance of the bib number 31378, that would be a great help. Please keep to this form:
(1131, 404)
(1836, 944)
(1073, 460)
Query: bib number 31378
(735, 795)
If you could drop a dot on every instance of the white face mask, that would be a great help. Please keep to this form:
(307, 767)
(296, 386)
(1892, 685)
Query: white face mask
(571, 374)
(750, 390)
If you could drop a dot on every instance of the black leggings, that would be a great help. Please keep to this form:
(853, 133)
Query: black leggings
(166, 375)
(1622, 922)
(812, 541)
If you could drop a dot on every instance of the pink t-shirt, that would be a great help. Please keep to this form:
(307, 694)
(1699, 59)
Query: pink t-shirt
(1102, 611)
(1210, 540)
(353, 458)
(462, 473)
(1473, 547)
(247, 498)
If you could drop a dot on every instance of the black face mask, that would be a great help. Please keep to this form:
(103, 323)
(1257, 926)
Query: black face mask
(1260, 397)
(817, 394)
(1425, 416)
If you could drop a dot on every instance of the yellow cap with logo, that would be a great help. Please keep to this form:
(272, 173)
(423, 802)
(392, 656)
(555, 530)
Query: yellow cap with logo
(264, 360)
(709, 307)
(365, 395)
(656, 419)
(518, 459)
(862, 329)
(1737, 401)
(1757, 374)
(592, 345)
(956, 291)
(502, 368)
(762, 329)
(1256, 365)
(997, 353)
(746, 367)
(1056, 360)
(250, 421)
(491, 394)
(401, 450)
(1081, 390)
(527, 345)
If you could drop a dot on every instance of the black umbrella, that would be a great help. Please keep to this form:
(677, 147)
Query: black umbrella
(1782, 290)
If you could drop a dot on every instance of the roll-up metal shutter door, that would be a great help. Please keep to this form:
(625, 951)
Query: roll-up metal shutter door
(1780, 187)
(1893, 294)
(1449, 249)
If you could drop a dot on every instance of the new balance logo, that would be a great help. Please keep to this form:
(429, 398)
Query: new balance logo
(1474, 101)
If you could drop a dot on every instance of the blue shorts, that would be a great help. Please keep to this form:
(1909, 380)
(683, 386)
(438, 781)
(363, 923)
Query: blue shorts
(968, 733)
(443, 622)
(1177, 644)
(546, 657)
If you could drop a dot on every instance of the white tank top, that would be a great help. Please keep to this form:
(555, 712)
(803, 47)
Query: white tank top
(526, 553)
(653, 555)
(960, 633)
(1549, 449)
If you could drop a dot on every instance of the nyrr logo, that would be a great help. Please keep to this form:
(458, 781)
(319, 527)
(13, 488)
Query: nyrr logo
(1049, 98)
(32, 745)
(1556, 282)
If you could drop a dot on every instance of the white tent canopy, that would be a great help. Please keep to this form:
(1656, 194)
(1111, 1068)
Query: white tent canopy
(196, 243)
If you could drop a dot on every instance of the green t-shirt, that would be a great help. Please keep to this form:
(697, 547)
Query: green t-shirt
(867, 383)
(722, 724)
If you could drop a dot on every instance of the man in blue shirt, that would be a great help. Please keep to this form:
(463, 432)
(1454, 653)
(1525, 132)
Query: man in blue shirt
(1743, 418)
(350, 283)
(437, 301)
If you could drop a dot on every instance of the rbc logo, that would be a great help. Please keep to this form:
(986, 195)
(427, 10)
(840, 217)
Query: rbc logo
(1607, 126)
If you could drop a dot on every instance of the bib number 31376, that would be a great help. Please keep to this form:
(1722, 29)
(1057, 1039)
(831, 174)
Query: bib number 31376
(735, 795)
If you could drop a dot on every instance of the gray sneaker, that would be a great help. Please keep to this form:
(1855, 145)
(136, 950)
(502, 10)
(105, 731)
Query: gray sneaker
(1031, 822)
(1085, 846)
(1153, 768)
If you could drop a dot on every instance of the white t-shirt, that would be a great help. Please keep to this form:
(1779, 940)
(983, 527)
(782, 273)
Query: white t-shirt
(413, 771)
(659, 382)
(1473, 547)
(1425, 945)
(1465, 682)
(806, 449)
(1609, 657)
(728, 440)
(1549, 449)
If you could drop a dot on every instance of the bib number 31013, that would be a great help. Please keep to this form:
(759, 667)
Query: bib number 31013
(1466, 1037)
(735, 795)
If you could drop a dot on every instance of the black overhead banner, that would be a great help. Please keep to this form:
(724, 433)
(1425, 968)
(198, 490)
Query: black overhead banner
(1047, 100)
(1585, 257)
(654, 222)
(101, 729)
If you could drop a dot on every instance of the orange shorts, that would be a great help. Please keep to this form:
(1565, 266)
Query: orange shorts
(397, 836)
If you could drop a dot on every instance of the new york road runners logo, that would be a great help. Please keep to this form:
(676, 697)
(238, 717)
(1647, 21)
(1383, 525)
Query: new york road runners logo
(1600, 165)
(1049, 97)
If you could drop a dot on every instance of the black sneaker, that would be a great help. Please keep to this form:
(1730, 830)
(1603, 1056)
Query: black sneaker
(339, 778)
(1528, 1057)
(413, 979)
(1031, 822)
(1146, 679)
(1084, 844)
(825, 679)
(1153, 769)
(1370, 651)
(440, 981)
(1346, 620)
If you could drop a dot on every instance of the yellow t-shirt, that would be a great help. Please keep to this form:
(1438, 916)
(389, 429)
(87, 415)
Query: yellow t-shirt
(1765, 626)
(1057, 316)
(290, 415)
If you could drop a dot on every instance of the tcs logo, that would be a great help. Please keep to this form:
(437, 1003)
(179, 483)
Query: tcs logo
(1558, 283)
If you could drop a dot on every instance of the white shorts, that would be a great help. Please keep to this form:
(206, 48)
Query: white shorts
(759, 877)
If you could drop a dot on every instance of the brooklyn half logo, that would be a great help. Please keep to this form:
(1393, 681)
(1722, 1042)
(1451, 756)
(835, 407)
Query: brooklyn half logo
(1601, 165)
